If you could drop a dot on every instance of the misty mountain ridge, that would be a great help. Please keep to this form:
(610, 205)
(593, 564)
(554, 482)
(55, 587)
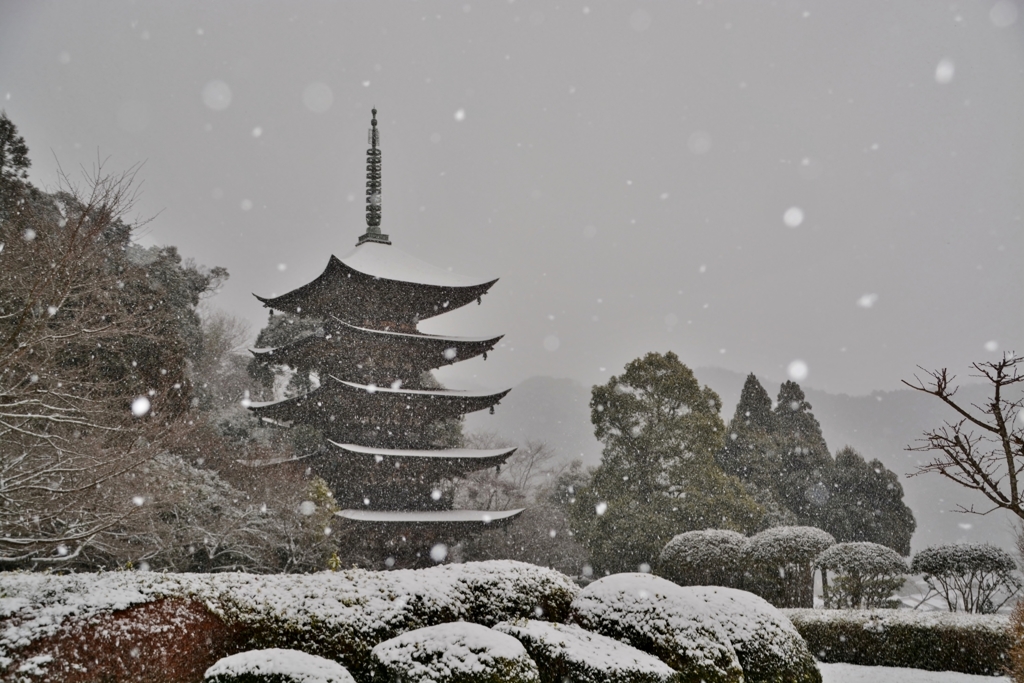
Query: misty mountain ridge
(879, 426)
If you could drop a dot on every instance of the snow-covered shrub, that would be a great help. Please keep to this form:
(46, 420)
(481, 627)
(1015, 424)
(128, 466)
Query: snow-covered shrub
(658, 617)
(768, 646)
(865, 575)
(276, 666)
(458, 652)
(338, 615)
(566, 652)
(780, 563)
(713, 557)
(935, 641)
(343, 615)
(970, 577)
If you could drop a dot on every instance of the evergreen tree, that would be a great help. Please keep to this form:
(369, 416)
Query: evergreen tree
(804, 459)
(866, 504)
(748, 451)
(657, 476)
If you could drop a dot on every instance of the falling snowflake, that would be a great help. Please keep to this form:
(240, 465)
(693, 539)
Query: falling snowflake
(140, 406)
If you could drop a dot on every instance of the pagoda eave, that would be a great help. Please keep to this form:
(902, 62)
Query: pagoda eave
(355, 296)
(343, 348)
(337, 403)
(380, 463)
(449, 520)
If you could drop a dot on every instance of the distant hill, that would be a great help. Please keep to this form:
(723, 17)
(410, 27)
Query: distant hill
(879, 425)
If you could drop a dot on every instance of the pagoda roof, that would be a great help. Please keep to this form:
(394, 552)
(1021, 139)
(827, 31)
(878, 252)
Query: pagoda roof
(442, 453)
(388, 262)
(338, 403)
(379, 282)
(471, 518)
(448, 462)
(344, 347)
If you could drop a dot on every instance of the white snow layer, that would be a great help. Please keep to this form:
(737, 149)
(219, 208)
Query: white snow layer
(364, 607)
(716, 633)
(577, 648)
(297, 666)
(454, 650)
(643, 608)
(391, 263)
(852, 673)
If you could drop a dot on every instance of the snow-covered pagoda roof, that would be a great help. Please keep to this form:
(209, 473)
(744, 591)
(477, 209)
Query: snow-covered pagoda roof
(432, 517)
(388, 262)
(375, 463)
(343, 348)
(444, 453)
(380, 282)
(337, 403)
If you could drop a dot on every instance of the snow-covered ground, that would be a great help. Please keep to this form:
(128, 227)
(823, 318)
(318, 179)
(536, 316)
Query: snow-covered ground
(851, 673)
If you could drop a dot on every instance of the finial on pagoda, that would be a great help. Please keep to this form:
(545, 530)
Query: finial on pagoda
(373, 233)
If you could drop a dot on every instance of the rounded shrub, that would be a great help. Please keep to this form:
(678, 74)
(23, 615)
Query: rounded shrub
(713, 557)
(865, 575)
(768, 646)
(566, 652)
(458, 652)
(276, 666)
(970, 577)
(662, 619)
(780, 563)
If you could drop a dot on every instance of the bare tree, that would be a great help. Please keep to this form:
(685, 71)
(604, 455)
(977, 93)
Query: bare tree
(984, 449)
(83, 397)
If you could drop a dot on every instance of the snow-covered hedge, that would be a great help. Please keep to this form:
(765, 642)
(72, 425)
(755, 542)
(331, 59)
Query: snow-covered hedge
(457, 652)
(276, 666)
(698, 631)
(713, 557)
(936, 641)
(864, 575)
(338, 615)
(566, 652)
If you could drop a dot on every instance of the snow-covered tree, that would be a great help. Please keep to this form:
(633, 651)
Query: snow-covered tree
(970, 577)
(780, 562)
(657, 476)
(712, 557)
(860, 575)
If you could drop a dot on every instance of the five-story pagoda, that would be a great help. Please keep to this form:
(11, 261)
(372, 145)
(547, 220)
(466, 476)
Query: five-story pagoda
(377, 404)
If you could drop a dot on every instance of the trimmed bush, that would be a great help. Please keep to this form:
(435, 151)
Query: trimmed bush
(713, 557)
(276, 666)
(458, 652)
(337, 615)
(971, 577)
(781, 563)
(658, 617)
(566, 652)
(935, 641)
(768, 646)
(865, 575)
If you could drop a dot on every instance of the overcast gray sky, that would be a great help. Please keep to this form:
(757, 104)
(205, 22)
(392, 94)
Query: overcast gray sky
(627, 169)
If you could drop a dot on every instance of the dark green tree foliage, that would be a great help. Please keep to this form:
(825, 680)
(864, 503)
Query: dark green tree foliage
(866, 503)
(805, 460)
(657, 476)
(782, 458)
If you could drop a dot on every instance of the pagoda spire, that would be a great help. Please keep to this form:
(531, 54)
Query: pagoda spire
(373, 233)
